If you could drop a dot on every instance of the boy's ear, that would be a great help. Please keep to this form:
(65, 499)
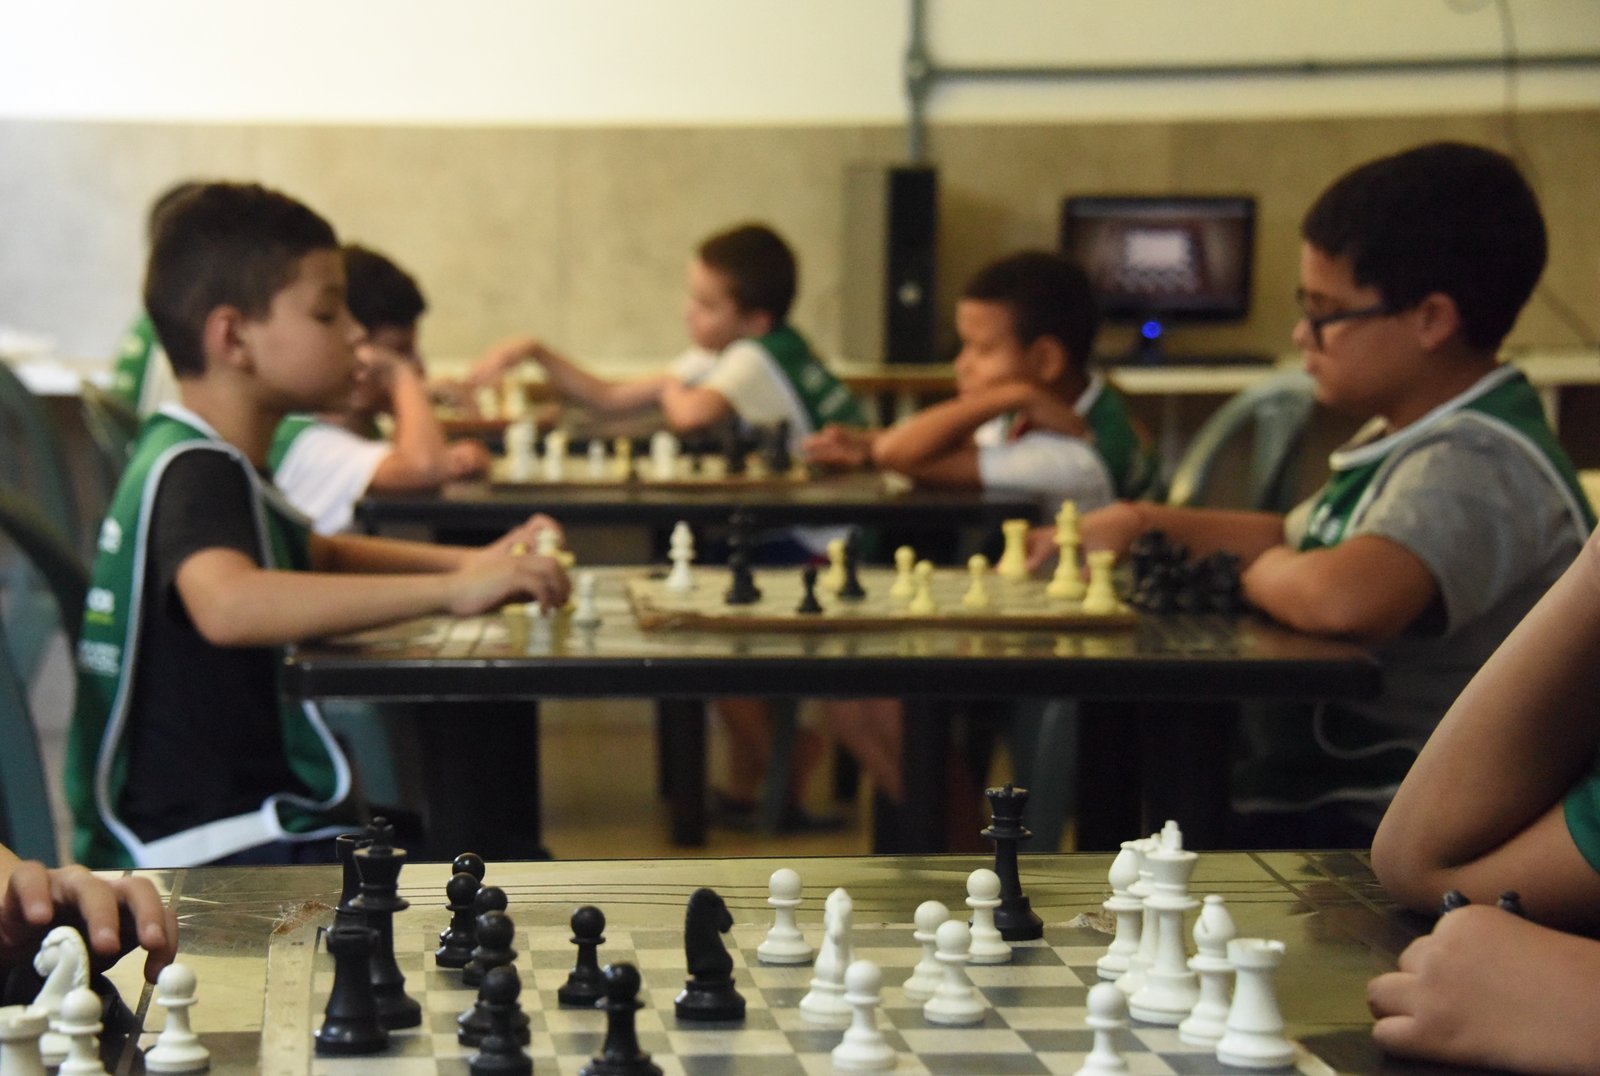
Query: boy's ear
(1050, 359)
(223, 338)
(1437, 319)
(756, 323)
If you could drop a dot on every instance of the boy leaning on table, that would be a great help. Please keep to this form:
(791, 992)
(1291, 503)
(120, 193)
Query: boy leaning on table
(182, 750)
(1446, 517)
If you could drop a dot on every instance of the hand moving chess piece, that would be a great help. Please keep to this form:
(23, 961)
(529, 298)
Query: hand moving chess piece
(709, 993)
(177, 1048)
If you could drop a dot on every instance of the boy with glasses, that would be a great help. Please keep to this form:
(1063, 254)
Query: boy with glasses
(1446, 517)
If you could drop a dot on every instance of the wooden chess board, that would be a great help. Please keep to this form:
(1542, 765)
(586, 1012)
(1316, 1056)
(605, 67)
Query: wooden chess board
(641, 471)
(1020, 605)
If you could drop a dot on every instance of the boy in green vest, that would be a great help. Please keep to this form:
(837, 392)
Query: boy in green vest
(182, 750)
(1446, 517)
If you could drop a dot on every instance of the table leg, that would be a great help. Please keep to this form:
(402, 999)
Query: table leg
(481, 772)
(681, 738)
(918, 825)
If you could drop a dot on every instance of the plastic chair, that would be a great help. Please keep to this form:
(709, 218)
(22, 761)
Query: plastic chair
(47, 552)
(113, 427)
(1276, 412)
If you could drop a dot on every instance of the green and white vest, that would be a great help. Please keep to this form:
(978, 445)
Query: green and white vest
(1130, 462)
(823, 396)
(108, 655)
(1341, 754)
(142, 376)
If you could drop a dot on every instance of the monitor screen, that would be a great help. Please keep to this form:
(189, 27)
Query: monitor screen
(1167, 258)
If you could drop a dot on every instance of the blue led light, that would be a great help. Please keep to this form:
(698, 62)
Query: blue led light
(1150, 330)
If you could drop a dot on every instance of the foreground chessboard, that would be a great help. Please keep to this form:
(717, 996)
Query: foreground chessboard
(1035, 1023)
(641, 471)
(1020, 606)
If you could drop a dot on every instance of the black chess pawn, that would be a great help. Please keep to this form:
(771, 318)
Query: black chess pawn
(1511, 901)
(350, 1023)
(585, 985)
(478, 1021)
(742, 589)
(709, 993)
(469, 863)
(379, 900)
(851, 589)
(495, 933)
(1015, 917)
(456, 941)
(490, 898)
(1452, 899)
(809, 606)
(733, 449)
(500, 1053)
(779, 461)
(620, 1054)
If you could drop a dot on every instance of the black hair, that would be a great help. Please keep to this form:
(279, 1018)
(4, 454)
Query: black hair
(166, 200)
(1445, 217)
(224, 244)
(759, 266)
(1047, 294)
(380, 293)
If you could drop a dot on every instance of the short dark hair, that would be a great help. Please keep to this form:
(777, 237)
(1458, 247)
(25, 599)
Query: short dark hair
(1048, 295)
(166, 200)
(379, 292)
(224, 244)
(1445, 217)
(759, 266)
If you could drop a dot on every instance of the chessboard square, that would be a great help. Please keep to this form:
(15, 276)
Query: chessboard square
(1028, 997)
(909, 1020)
(664, 963)
(822, 1040)
(995, 1064)
(1035, 954)
(928, 1041)
(899, 956)
(545, 959)
(442, 981)
(1080, 956)
(1025, 1018)
(729, 1040)
(1003, 976)
(391, 1066)
(1139, 1064)
(588, 1044)
(777, 997)
(1069, 1036)
(822, 1065)
(671, 940)
(570, 1021)
(792, 1019)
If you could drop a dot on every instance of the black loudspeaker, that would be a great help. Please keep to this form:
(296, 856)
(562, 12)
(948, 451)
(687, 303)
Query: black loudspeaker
(891, 226)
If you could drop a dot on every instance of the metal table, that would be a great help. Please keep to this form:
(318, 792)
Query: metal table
(1168, 679)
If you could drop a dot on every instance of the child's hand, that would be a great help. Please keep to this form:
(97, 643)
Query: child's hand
(839, 446)
(503, 357)
(1041, 546)
(116, 915)
(1489, 988)
(466, 459)
(526, 534)
(491, 577)
(1113, 527)
(1047, 411)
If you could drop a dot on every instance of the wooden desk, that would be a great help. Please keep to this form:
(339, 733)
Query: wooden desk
(1339, 929)
(1181, 665)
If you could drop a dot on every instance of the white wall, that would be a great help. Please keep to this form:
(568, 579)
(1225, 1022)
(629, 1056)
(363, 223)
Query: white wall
(593, 62)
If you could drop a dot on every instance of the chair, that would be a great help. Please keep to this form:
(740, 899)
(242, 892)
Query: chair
(1276, 412)
(113, 427)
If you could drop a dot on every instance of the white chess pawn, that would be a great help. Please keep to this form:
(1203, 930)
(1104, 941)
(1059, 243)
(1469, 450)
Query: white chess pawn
(177, 1048)
(597, 458)
(1101, 597)
(922, 603)
(926, 976)
(824, 1003)
(784, 944)
(1128, 909)
(1169, 990)
(977, 595)
(622, 451)
(80, 1023)
(520, 455)
(1107, 1014)
(555, 455)
(20, 1029)
(586, 614)
(983, 897)
(513, 400)
(1139, 960)
(1213, 930)
(832, 580)
(905, 583)
(955, 1003)
(1067, 583)
(863, 1049)
(1254, 1036)
(488, 401)
(664, 454)
(681, 549)
(547, 543)
(1014, 558)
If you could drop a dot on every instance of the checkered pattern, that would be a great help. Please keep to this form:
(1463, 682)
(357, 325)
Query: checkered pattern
(1034, 1022)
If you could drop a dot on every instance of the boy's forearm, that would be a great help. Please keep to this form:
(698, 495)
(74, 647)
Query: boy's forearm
(1210, 530)
(418, 457)
(572, 382)
(940, 429)
(369, 555)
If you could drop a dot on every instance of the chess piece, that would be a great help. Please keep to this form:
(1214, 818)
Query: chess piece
(456, 941)
(784, 944)
(585, 985)
(922, 603)
(681, 551)
(1213, 930)
(80, 1023)
(863, 1049)
(926, 976)
(977, 595)
(520, 455)
(20, 1030)
(619, 1053)
(597, 458)
(1067, 583)
(824, 1002)
(983, 897)
(344, 847)
(1101, 597)
(63, 960)
(664, 454)
(490, 898)
(487, 400)
(379, 900)
(500, 1053)
(955, 1003)
(1107, 1014)
(1452, 899)
(709, 993)
(833, 580)
(742, 589)
(587, 613)
(809, 606)
(513, 401)
(1014, 917)
(350, 1023)
(1140, 960)
(850, 588)
(1511, 901)
(1170, 989)
(1254, 1036)
(177, 1048)
(622, 452)
(1014, 559)
(1128, 909)
(780, 461)
(905, 583)
(495, 934)
(555, 455)
(477, 1023)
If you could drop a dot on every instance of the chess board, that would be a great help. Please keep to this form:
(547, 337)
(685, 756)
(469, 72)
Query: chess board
(641, 471)
(1017, 605)
(1034, 1022)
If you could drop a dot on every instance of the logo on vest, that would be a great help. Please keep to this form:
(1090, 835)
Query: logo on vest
(110, 536)
(1324, 526)
(102, 601)
(103, 659)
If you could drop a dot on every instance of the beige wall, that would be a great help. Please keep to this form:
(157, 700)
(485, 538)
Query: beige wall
(579, 234)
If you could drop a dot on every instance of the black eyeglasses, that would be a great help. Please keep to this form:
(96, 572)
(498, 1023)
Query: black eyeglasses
(1315, 322)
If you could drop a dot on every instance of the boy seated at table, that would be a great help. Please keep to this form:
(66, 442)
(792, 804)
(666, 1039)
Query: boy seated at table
(115, 915)
(326, 462)
(183, 748)
(1029, 414)
(1443, 521)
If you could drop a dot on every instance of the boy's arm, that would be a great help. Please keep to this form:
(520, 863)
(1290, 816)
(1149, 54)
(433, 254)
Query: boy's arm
(378, 556)
(841, 446)
(687, 408)
(418, 458)
(572, 382)
(916, 446)
(1203, 530)
(1367, 588)
(1481, 810)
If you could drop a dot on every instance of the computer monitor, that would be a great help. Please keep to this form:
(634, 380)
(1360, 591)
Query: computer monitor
(1166, 259)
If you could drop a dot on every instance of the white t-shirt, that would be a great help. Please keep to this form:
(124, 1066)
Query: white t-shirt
(1052, 465)
(750, 380)
(326, 471)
